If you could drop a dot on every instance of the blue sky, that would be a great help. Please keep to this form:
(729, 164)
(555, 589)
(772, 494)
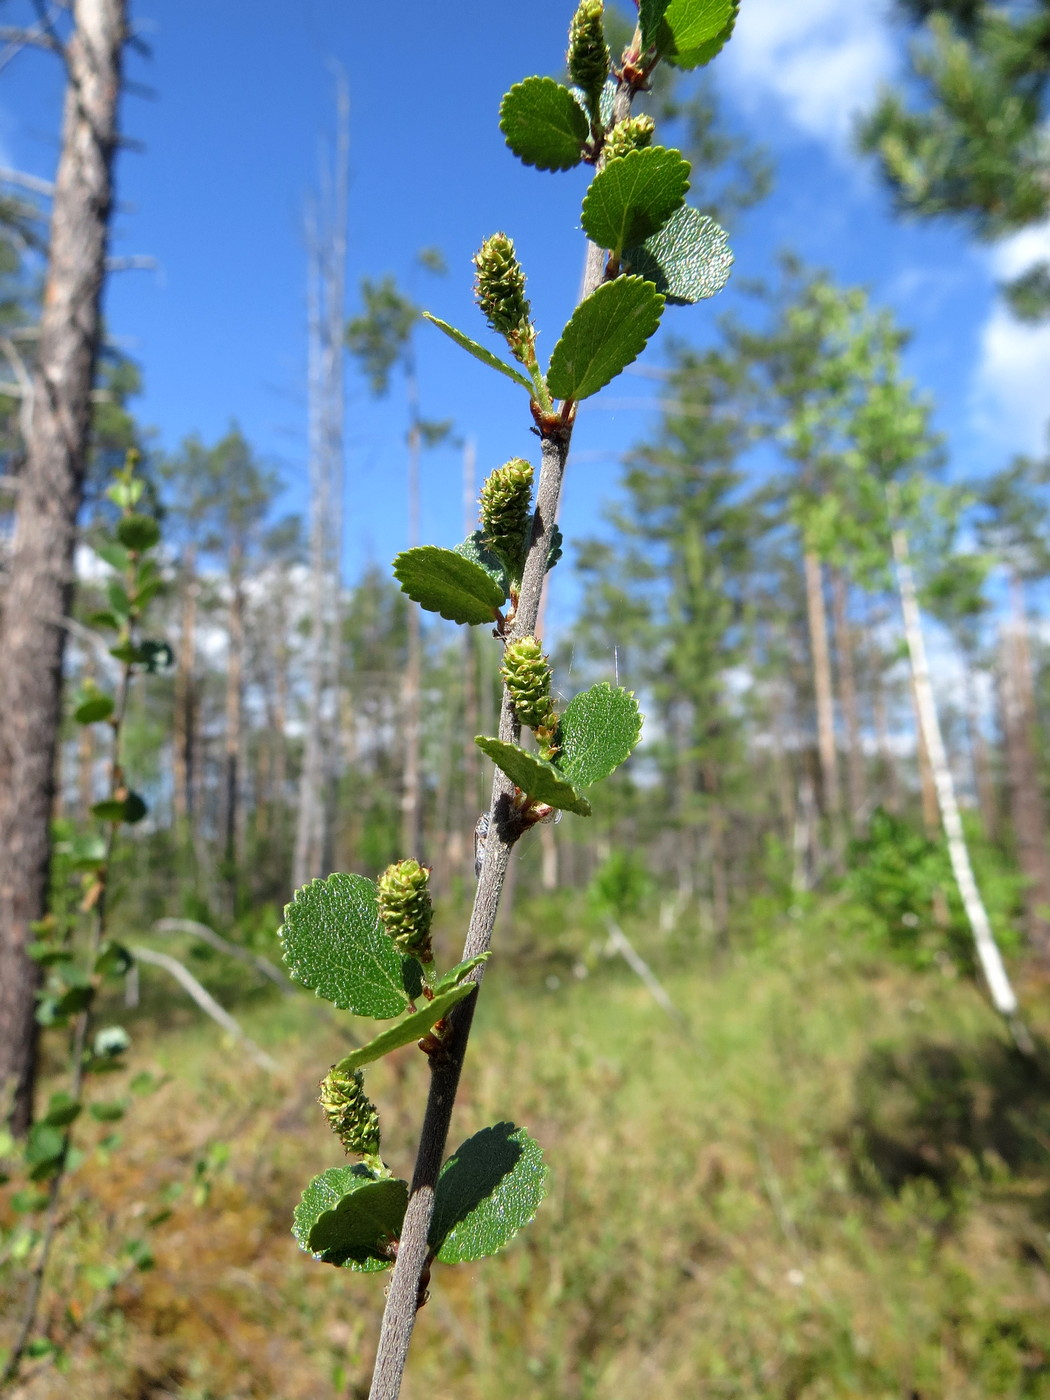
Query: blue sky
(232, 143)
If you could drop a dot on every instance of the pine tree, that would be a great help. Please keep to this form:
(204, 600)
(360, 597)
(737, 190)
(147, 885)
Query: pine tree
(977, 149)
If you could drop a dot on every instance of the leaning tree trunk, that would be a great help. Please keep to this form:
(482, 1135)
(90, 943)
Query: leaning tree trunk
(41, 564)
(988, 955)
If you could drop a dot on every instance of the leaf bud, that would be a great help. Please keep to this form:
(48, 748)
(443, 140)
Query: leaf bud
(350, 1112)
(499, 289)
(633, 134)
(527, 675)
(506, 512)
(588, 56)
(405, 908)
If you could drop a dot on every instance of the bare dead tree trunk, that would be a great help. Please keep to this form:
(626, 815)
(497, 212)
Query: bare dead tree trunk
(41, 562)
(855, 785)
(1002, 993)
(1028, 813)
(326, 236)
(817, 618)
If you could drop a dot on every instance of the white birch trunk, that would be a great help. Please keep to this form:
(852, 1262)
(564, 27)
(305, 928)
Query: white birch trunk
(995, 975)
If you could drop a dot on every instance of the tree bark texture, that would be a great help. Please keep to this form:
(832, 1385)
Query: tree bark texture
(1027, 811)
(855, 785)
(41, 566)
(185, 718)
(816, 615)
(233, 740)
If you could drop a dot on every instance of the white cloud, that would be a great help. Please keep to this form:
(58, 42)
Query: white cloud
(1011, 387)
(821, 61)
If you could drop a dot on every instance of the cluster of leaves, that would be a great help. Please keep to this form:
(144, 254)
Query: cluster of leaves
(337, 944)
(659, 249)
(351, 941)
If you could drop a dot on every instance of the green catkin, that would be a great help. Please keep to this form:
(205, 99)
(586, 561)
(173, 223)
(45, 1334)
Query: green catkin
(351, 1114)
(634, 134)
(506, 512)
(499, 289)
(527, 674)
(405, 908)
(588, 56)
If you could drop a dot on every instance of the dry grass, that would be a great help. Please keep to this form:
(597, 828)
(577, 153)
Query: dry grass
(836, 1185)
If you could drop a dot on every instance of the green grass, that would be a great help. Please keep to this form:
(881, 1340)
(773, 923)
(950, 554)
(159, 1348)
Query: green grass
(835, 1183)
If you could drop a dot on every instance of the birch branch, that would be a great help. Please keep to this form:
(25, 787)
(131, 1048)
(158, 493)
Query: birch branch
(505, 828)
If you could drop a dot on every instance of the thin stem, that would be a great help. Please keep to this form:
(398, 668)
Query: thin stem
(505, 827)
(81, 1029)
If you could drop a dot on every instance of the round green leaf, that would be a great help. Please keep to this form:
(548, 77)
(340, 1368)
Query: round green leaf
(334, 944)
(634, 196)
(62, 1109)
(687, 260)
(115, 555)
(130, 809)
(105, 1112)
(347, 1215)
(93, 707)
(442, 581)
(488, 1190)
(607, 332)
(691, 32)
(45, 1144)
(598, 730)
(544, 124)
(536, 777)
(137, 531)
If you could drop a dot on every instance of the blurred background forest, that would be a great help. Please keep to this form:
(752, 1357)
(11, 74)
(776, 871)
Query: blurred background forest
(794, 1151)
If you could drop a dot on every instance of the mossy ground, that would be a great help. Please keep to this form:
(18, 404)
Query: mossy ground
(833, 1182)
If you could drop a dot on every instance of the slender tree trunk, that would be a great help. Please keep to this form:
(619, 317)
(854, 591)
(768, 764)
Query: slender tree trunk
(989, 957)
(472, 755)
(326, 300)
(41, 560)
(982, 768)
(185, 745)
(233, 738)
(817, 618)
(309, 829)
(86, 759)
(411, 723)
(1026, 799)
(855, 785)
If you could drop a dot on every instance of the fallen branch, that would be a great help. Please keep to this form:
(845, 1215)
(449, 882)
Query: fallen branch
(207, 1004)
(223, 945)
